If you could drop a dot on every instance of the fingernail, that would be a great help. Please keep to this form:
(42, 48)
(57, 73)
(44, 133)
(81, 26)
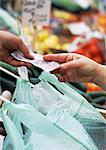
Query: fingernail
(61, 79)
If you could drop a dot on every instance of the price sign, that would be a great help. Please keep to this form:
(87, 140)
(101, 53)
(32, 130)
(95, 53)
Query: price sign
(36, 12)
(43, 12)
(29, 7)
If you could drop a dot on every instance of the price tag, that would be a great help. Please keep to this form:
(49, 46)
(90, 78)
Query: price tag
(23, 72)
(1, 141)
(29, 7)
(42, 13)
(81, 27)
(36, 12)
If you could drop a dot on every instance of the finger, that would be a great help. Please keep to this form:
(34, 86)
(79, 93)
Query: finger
(61, 58)
(20, 63)
(70, 65)
(16, 63)
(65, 67)
(63, 78)
(56, 57)
(57, 71)
(28, 65)
(67, 77)
(24, 49)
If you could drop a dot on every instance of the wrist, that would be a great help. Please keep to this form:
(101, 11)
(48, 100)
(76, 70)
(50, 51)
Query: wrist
(100, 76)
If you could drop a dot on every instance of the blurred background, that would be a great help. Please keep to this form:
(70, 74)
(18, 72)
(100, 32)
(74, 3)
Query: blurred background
(77, 26)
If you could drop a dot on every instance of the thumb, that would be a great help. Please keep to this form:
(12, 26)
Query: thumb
(22, 47)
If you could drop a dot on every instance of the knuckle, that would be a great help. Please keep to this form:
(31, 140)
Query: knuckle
(20, 40)
(68, 77)
(64, 67)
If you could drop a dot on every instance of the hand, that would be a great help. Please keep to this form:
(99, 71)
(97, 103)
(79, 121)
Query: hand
(76, 67)
(8, 44)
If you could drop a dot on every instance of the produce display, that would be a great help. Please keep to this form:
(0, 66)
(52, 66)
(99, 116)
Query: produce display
(58, 38)
(37, 111)
(92, 49)
(75, 6)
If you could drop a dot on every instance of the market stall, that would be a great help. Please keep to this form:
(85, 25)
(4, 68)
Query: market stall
(41, 111)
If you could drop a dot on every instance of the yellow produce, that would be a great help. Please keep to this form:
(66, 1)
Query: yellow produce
(27, 30)
(40, 48)
(37, 45)
(44, 46)
(65, 46)
(51, 42)
(42, 35)
(54, 38)
(58, 46)
(44, 41)
(62, 14)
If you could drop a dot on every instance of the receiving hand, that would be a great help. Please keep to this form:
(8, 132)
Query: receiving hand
(10, 43)
(75, 67)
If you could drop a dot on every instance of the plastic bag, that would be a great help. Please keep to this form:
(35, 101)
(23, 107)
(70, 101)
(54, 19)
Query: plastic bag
(15, 139)
(59, 116)
(44, 99)
(48, 100)
(45, 134)
(6, 20)
(85, 113)
(23, 93)
(56, 130)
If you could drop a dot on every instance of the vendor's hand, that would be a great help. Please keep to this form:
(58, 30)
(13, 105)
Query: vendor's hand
(8, 44)
(76, 67)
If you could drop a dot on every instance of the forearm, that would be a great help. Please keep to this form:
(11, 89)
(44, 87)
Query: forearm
(100, 76)
(1, 48)
(0, 52)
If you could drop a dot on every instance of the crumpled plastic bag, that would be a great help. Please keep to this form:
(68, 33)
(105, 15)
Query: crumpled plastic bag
(62, 109)
(6, 20)
(77, 105)
(45, 134)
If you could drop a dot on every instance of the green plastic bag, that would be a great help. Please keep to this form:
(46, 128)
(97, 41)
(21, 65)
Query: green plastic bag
(85, 113)
(6, 20)
(68, 131)
(59, 113)
(23, 93)
(45, 134)
(48, 100)
(14, 136)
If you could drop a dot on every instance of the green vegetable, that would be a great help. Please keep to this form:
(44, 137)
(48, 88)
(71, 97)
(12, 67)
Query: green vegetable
(99, 106)
(7, 83)
(100, 100)
(8, 67)
(96, 94)
(79, 85)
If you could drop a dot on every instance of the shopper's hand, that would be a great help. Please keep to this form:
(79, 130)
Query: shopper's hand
(76, 67)
(8, 44)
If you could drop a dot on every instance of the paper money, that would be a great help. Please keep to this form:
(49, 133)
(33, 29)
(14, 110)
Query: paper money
(38, 61)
